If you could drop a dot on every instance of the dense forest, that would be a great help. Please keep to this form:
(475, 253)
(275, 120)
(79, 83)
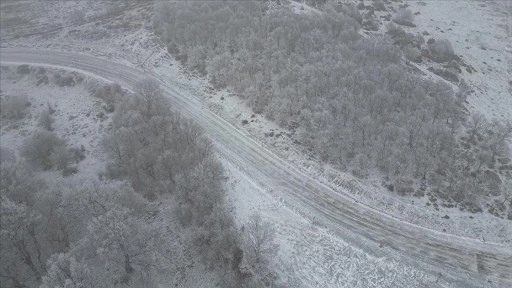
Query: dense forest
(157, 207)
(350, 99)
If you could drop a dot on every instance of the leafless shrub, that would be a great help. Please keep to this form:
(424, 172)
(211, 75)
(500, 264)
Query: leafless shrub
(110, 93)
(441, 50)
(46, 120)
(412, 54)
(23, 69)
(14, 107)
(61, 158)
(38, 148)
(7, 155)
(404, 17)
(259, 241)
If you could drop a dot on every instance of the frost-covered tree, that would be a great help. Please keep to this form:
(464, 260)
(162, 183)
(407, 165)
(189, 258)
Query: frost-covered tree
(477, 122)
(404, 17)
(46, 120)
(260, 240)
(38, 148)
(165, 155)
(14, 107)
(441, 50)
(339, 92)
(65, 271)
(21, 252)
(121, 244)
(498, 137)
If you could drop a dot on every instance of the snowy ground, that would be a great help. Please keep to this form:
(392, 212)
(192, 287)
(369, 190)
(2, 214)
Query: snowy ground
(312, 256)
(129, 41)
(77, 115)
(304, 246)
(308, 253)
(480, 33)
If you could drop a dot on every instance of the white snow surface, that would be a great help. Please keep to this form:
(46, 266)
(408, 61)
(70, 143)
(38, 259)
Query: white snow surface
(308, 252)
(76, 116)
(312, 256)
(480, 34)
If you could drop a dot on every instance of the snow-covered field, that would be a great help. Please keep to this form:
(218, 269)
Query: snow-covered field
(79, 118)
(480, 33)
(136, 45)
(310, 255)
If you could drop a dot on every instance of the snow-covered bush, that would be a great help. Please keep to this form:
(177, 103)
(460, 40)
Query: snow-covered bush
(14, 107)
(19, 182)
(259, 241)
(64, 81)
(412, 53)
(394, 30)
(379, 5)
(23, 69)
(7, 155)
(441, 50)
(371, 24)
(197, 60)
(402, 38)
(39, 148)
(351, 10)
(404, 17)
(110, 93)
(46, 120)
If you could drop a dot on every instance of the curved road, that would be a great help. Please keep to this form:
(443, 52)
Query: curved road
(465, 261)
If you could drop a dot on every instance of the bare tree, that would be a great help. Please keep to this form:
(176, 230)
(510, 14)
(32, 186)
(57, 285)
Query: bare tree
(38, 148)
(483, 158)
(14, 107)
(404, 17)
(476, 124)
(46, 120)
(500, 134)
(19, 243)
(260, 238)
(65, 271)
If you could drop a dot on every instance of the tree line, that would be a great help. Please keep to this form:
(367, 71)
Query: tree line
(158, 205)
(347, 98)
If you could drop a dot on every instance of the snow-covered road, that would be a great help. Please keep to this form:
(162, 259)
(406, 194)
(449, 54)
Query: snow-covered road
(469, 262)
